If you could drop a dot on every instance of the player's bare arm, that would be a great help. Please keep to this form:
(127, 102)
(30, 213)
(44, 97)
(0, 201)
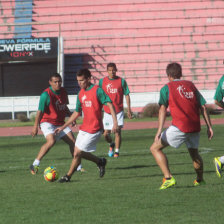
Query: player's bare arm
(207, 121)
(128, 101)
(36, 123)
(69, 113)
(161, 120)
(71, 119)
(112, 111)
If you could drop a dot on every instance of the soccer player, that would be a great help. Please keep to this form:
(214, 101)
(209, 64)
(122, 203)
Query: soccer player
(115, 87)
(51, 114)
(185, 103)
(90, 101)
(219, 94)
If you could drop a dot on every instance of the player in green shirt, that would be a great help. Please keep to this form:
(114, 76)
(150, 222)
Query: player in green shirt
(51, 113)
(219, 94)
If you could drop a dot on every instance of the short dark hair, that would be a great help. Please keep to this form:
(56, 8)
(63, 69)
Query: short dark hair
(84, 72)
(111, 64)
(56, 75)
(174, 70)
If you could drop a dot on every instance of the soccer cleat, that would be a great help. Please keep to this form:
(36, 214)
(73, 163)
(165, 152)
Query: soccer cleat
(111, 150)
(218, 166)
(116, 154)
(198, 183)
(167, 183)
(34, 169)
(102, 163)
(64, 179)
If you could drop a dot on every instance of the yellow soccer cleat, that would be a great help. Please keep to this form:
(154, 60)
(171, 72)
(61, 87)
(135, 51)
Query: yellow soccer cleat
(218, 166)
(198, 183)
(167, 183)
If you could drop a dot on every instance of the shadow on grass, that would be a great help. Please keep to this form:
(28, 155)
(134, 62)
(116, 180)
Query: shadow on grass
(132, 167)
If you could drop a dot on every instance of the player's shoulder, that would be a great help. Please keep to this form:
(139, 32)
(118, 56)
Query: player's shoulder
(221, 79)
(45, 93)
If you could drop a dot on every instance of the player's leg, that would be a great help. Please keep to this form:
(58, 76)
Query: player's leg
(120, 121)
(108, 125)
(117, 142)
(192, 142)
(100, 162)
(162, 161)
(75, 161)
(197, 163)
(171, 136)
(160, 157)
(85, 144)
(50, 141)
(108, 138)
(198, 166)
(70, 140)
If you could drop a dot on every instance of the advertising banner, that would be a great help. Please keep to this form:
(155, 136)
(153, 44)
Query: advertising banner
(28, 49)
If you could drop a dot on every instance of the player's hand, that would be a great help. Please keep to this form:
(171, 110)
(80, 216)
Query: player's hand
(129, 114)
(210, 133)
(157, 137)
(34, 132)
(74, 124)
(58, 130)
(115, 128)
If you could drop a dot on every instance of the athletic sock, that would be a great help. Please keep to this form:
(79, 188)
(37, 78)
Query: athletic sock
(116, 150)
(36, 162)
(79, 167)
(221, 159)
(111, 145)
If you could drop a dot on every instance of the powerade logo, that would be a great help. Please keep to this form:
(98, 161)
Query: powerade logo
(28, 47)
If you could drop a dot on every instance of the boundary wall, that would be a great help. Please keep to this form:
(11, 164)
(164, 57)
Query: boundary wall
(29, 104)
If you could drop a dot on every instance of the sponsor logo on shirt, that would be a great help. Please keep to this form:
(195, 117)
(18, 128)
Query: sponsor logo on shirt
(183, 92)
(86, 103)
(110, 88)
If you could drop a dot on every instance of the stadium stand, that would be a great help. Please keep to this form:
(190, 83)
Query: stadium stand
(141, 37)
(23, 14)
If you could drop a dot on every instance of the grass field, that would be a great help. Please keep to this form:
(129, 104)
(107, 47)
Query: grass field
(127, 194)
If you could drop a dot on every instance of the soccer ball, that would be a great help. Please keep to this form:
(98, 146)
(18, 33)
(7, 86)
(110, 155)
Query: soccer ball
(50, 174)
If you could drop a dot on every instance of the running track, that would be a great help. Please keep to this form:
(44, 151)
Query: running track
(20, 131)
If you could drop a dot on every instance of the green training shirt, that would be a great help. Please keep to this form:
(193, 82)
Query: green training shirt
(219, 93)
(101, 95)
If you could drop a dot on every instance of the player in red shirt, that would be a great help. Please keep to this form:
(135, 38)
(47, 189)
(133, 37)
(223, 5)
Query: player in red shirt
(185, 103)
(116, 88)
(50, 115)
(90, 101)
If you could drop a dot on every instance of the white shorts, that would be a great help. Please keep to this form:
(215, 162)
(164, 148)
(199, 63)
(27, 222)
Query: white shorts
(108, 120)
(48, 128)
(175, 138)
(86, 141)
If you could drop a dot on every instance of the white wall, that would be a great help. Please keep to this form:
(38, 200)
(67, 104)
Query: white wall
(30, 103)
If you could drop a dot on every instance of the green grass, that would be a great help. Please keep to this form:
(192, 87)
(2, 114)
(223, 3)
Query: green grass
(127, 194)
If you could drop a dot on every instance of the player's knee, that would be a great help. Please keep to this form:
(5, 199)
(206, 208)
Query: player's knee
(50, 142)
(152, 149)
(77, 153)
